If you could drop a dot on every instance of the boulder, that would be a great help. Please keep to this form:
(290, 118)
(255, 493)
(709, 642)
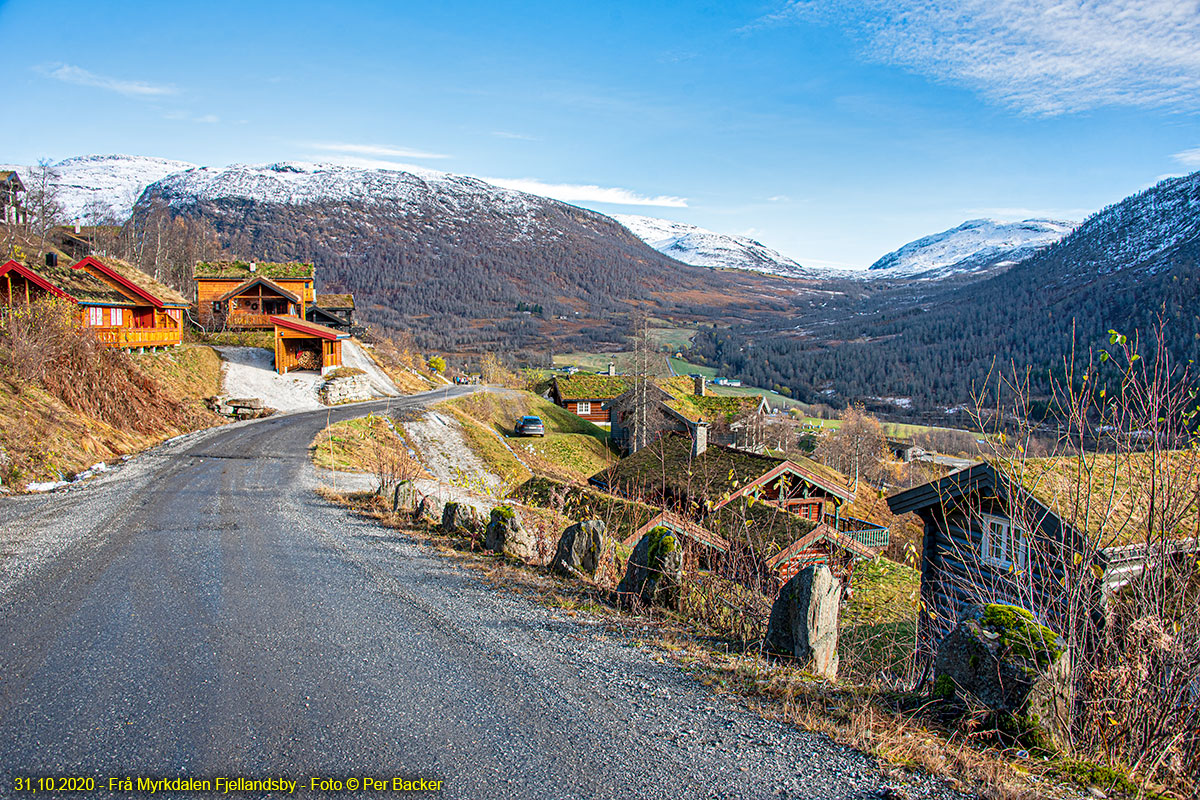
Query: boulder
(655, 571)
(580, 548)
(429, 509)
(804, 620)
(1000, 657)
(505, 534)
(460, 517)
(404, 497)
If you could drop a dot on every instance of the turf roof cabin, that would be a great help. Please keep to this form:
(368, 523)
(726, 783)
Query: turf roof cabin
(584, 394)
(246, 294)
(689, 477)
(122, 306)
(682, 404)
(333, 311)
(1002, 533)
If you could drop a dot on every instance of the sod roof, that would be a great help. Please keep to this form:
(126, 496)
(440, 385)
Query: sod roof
(585, 386)
(668, 463)
(335, 301)
(240, 270)
(86, 287)
(713, 409)
(1108, 495)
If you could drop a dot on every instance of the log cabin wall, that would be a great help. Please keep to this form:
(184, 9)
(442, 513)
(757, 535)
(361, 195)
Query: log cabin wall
(594, 413)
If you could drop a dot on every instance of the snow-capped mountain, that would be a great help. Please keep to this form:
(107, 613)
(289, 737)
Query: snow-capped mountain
(299, 183)
(976, 246)
(704, 248)
(92, 186)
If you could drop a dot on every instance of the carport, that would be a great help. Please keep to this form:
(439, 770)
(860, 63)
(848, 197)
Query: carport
(300, 344)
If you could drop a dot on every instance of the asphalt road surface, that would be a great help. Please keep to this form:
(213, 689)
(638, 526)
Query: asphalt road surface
(202, 613)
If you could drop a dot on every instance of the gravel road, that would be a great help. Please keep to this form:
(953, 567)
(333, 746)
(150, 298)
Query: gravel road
(202, 613)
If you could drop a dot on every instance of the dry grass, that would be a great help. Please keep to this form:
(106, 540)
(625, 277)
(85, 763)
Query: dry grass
(900, 729)
(67, 402)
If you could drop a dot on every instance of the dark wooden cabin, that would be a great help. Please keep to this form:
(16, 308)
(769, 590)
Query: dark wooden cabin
(999, 533)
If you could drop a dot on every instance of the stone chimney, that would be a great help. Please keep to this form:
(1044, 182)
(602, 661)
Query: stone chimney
(699, 438)
(253, 267)
(612, 368)
(699, 382)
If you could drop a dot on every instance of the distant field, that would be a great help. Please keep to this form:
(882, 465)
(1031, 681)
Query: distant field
(894, 430)
(774, 399)
(598, 362)
(683, 367)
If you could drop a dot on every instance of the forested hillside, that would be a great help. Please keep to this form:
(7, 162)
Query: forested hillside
(1122, 269)
(459, 267)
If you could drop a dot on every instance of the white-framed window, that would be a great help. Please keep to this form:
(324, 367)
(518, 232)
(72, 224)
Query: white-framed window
(96, 316)
(584, 407)
(117, 315)
(1004, 544)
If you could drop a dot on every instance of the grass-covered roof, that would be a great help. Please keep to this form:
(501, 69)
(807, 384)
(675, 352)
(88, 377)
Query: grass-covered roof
(586, 386)
(1109, 495)
(240, 270)
(335, 301)
(668, 464)
(90, 288)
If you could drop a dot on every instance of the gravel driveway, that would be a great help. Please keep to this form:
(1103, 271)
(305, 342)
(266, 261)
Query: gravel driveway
(206, 614)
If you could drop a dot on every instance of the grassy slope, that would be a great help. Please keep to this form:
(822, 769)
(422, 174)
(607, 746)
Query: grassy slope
(43, 439)
(573, 448)
(345, 446)
(879, 625)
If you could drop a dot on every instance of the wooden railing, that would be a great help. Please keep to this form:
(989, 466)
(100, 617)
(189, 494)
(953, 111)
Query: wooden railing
(865, 533)
(137, 337)
(237, 319)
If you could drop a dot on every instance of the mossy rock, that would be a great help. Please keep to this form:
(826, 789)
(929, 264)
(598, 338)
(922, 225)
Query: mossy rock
(1021, 634)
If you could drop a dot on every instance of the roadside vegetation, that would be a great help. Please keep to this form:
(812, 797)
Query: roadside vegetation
(572, 449)
(67, 402)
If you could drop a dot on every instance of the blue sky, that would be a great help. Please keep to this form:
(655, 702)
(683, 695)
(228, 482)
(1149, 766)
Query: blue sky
(831, 132)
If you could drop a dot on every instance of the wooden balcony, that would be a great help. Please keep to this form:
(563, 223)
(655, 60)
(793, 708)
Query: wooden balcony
(866, 533)
(126, 338)
(237, 319)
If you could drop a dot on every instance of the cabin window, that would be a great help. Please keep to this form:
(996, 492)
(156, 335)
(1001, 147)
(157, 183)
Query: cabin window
(117, 315)
(1004, 544)
(96, 317)
(216, 307)
(583, 408)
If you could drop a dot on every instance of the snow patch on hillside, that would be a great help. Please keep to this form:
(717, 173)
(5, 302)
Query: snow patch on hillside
(974, 246)
(95, 186)
(704, 248)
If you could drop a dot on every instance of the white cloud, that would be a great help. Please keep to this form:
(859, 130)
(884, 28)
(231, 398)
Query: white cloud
(587, 193)
(1039, 57)
(68, 73)
(360, 162)
(1011, 214)
(1189, 158)
(511, 135)
(184, 116)
(373, 150)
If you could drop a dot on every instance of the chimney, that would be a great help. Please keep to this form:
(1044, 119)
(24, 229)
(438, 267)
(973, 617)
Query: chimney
(253, 267)
(699, 438)
(699, 384)
(612, 368)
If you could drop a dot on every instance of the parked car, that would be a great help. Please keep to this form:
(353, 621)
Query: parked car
(530, 426)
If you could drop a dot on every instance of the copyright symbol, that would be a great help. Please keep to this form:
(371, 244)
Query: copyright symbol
(352, 783)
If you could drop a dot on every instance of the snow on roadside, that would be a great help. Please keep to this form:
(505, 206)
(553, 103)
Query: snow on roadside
(381, 384)
(250, 372)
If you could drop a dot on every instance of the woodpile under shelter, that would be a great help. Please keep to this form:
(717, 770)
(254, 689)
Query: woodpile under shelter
(300, 344)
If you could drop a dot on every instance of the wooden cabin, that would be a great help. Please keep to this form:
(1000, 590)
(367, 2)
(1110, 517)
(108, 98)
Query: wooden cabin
(122, 306)
(680, 404)
(300, 344)
(585, 394)
(721, 487)
(247, 294)
(333, 311)
(999, 533)
(12, 210)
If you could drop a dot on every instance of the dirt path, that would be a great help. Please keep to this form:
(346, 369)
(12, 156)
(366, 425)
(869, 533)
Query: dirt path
(445, 453)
